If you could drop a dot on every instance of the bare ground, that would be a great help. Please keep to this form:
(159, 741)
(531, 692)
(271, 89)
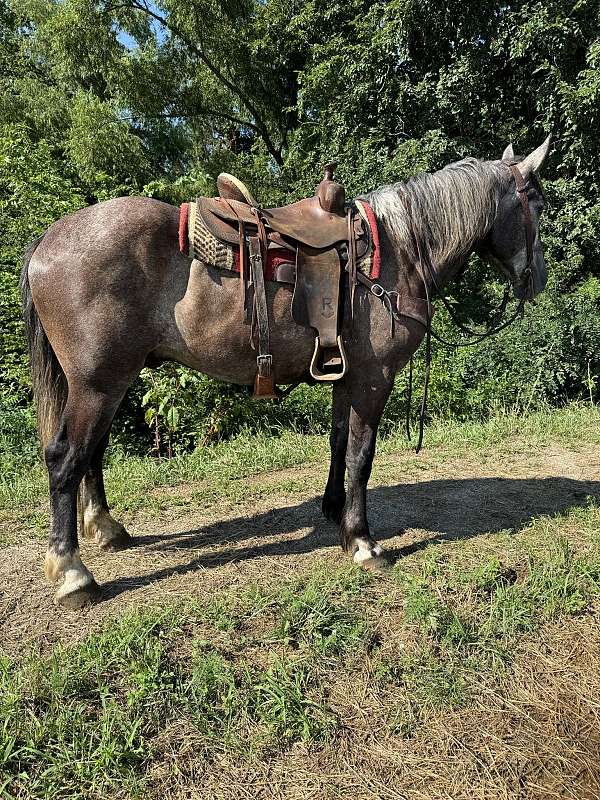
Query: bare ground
(187, 551)
(533, 736)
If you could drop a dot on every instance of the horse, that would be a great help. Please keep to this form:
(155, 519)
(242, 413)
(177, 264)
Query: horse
(107, 291)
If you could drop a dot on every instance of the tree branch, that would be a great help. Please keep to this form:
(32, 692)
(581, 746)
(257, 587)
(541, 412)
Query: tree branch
(206, 112)
(259, 125)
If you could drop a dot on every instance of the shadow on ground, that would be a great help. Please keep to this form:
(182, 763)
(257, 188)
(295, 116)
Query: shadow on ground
(448, 509)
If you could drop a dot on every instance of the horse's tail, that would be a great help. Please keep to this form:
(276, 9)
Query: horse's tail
(47, 377)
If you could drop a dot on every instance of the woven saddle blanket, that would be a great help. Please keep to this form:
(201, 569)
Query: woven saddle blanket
(197, 242)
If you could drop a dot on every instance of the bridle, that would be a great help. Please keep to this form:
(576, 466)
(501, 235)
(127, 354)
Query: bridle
(522, 193)
(428, 276)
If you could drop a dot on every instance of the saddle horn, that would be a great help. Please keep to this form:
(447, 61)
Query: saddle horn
(332, 195)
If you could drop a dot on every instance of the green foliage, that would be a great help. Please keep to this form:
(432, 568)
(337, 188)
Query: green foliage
(282, 702)
(34, 192)
(99, 99)
(469, 620)
(310, 619)
(19, 449)
(184, 408)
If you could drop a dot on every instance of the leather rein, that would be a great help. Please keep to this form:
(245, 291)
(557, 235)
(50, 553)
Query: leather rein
(428, 276)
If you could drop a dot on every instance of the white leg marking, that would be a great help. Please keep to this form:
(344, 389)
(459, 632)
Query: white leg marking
(100, 526)
(70, 567)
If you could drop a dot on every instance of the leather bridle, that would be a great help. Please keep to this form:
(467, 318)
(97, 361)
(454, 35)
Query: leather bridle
(428, 276)
(522, 194)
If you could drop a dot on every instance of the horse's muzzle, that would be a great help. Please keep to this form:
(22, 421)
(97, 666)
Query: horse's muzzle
(530, 283)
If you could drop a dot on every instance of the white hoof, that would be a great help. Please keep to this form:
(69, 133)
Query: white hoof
(78, 587)
(368, 553)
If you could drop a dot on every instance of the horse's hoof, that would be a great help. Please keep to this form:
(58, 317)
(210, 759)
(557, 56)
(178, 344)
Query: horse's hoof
(78, 587)
(118, 539)
(100, 527)
(78, 598)
(370, 555)
(376, 564)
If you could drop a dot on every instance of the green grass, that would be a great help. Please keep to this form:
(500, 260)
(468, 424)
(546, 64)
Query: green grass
(82, 721)
(242, 678)
(468, 622)
(224, 471)
(245, 676)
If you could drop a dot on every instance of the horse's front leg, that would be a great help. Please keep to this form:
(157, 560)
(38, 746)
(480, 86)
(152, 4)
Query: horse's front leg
(335, 493)
(367, 403)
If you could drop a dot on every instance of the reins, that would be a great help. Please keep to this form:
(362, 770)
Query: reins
(391, 302)
(428, 276)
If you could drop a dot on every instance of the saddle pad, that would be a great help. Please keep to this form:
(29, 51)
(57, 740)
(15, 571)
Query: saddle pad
(197, 241)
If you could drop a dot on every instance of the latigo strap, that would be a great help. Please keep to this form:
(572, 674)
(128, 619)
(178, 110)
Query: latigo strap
(264, 387)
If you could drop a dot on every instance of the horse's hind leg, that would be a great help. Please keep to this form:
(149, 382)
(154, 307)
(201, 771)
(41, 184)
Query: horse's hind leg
(84, 423)
(335, 493)
(98, 524)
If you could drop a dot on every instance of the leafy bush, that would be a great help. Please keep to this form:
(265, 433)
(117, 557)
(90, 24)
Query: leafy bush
(98, 101)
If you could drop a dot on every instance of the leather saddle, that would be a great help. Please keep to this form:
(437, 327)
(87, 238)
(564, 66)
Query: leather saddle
(320, 233)
(305, 222)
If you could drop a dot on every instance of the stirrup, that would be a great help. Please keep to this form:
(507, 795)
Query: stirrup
(332, 365)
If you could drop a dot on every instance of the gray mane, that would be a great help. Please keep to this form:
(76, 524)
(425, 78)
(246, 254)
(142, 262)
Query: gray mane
(451, 209)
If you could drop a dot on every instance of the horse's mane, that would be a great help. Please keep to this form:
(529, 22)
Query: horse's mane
(451, 208)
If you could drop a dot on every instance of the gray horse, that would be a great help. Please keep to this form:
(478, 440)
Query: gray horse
(106, 292)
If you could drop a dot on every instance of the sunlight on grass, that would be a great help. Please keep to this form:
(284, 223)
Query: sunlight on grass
(249, 674)
(215, 469)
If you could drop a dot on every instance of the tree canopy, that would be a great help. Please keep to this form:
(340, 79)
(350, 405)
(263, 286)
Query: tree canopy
(106, 97)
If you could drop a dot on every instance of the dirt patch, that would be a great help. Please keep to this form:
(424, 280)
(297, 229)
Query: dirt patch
(533, 734)
(533, 737)
(191, 551)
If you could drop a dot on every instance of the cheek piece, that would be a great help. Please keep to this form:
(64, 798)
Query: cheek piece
(522, 192)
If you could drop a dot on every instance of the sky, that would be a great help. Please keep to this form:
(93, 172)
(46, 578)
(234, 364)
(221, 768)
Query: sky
(130, 43)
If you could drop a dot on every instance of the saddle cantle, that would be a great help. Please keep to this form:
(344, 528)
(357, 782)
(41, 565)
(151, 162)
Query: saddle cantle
(307, 243)
(232, 188)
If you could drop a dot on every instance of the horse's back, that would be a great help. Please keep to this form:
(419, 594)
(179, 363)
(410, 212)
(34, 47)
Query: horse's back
(126, 225)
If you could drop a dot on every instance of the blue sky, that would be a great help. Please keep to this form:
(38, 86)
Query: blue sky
(130, 42)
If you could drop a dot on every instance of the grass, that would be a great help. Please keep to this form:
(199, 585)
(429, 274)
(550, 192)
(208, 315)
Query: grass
(468, 623)
(225, 471)
(247, 676)
(419, 676)
(83, 721)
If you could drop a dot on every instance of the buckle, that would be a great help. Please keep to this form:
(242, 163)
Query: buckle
(378, 290)
(263, 364)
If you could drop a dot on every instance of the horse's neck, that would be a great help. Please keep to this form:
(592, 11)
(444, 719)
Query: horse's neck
(446, 258)
(415, 268)
(437, 222)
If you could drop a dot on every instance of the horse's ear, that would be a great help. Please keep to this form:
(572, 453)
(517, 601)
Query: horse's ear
(534, 160)
(508, 153)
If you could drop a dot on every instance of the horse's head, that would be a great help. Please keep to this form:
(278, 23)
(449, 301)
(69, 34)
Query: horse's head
(514, 239)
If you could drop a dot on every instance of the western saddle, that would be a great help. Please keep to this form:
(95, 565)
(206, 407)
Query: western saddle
(320, 237)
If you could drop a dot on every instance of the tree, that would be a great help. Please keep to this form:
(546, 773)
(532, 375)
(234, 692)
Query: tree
(130, 96)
